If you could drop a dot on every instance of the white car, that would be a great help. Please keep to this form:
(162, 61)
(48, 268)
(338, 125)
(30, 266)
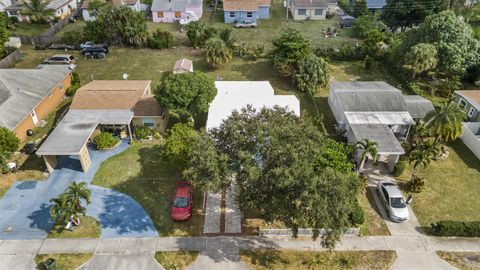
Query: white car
(191, 17)
(393, 201)
(87, 44)
(246, 24)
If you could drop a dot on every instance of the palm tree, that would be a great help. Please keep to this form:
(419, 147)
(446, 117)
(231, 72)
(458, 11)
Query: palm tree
(60, 211)
(226, 35)
(422, 155)
(74, 194)
(217, 53)
(37, 10)
(447, 122)
(367, 147)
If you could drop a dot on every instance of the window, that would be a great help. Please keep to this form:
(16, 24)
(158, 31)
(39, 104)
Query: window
(385, 193)
(232, 15)
(249, 14)
(178, 14)
(13, 12)
(318, 12)
(471, 112)
(462, 103)
(302, 12)
(160, 14)
(148, 122)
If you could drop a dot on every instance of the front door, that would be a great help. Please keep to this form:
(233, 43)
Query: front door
(34, 117)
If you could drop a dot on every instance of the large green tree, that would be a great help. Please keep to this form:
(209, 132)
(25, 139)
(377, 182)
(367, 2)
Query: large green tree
(118, 26)
(37, 10)
(217, 53)
(70, 203)
(360, 8)
(366, 23)
(367, 148)
(178, 145)
(446, 123)
(457, 49)
(290, 48)
(283, 170)
(198, 33)
(9, 143)
(421, 57)
(187, 93)
(401, 14)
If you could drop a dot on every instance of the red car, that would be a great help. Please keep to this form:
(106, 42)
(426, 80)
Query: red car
(182, 201)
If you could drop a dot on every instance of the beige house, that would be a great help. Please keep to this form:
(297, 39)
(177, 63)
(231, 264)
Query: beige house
(117, 106)
(305, 10)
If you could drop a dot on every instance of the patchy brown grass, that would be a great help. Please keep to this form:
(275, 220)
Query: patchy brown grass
(462, 260)
(176, 260)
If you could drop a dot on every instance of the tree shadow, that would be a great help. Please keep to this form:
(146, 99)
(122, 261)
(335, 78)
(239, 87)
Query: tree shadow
(34, 163)
(41, 219)
(465, 154)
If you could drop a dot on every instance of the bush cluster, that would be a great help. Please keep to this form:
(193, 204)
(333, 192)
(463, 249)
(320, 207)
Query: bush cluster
(160, 40)
(456, 228)
(356, 217)
(399, 168)
(73, 37)
(74, 86)
(345, 53)
(105, 140)
(142, 133)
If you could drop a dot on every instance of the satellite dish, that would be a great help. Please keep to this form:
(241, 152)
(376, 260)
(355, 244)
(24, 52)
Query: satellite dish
(125, 76)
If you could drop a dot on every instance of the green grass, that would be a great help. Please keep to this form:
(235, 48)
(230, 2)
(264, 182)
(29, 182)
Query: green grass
(451, 187)
(65, 261)
(462, 260)
(141, 172)
(176, 260)
(286, 260)
(77, 26)
(89, 228)
(374, 223)
(29, 29)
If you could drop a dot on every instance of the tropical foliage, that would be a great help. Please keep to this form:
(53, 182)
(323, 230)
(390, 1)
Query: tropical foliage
(178, 146)
(290, 48)
(70, 203)
(360, 8)
(217, 53)
(37, 10)
(9, 143)
(421, 57)
(446, 123)
(367, 148)
(401, 14)
(310, 74)
(160, 40)
(105, 140)
(198, 33)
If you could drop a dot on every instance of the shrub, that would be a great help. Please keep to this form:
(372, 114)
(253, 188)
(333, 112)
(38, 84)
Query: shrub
(8, 140)
(357, 216)
(73, 37)
(142, 133)
(345, 53)
(75, 85)
(456, 228)
(415, 185)
(160, 40)
(105, 140)
(399, 168)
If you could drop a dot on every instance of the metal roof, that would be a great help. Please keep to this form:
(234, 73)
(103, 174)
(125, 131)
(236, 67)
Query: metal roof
(235, 95)
(310, 3)
(56, 4)
(174, 5)
(387, 143)
(418, 106)
(21, 90)
(72, 133)
(387, 118)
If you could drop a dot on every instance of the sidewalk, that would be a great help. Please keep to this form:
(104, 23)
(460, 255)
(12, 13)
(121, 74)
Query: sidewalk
(419, 244)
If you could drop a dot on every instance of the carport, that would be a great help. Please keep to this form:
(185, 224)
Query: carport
(72, 134)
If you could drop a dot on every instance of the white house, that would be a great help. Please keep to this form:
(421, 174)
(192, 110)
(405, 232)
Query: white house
(235, 95)
(60, 9)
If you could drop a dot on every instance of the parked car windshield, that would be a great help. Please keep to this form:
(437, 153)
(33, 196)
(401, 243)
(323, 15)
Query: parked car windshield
(397, 203)
(180, 202)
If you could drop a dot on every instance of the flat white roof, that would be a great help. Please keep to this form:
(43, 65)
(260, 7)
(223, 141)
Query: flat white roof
(386, 118)
(235, 95)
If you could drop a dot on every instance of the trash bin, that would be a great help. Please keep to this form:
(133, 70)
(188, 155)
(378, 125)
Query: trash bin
(49, 264)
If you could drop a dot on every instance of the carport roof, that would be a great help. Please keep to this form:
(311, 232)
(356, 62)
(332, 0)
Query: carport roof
(387, 143)
(72, 133)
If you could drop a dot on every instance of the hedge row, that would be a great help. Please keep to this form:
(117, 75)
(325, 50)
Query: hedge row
(456, 228)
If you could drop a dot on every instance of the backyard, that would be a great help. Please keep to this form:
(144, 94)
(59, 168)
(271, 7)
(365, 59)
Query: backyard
(451, 187)
(141, 172)
(29, 29)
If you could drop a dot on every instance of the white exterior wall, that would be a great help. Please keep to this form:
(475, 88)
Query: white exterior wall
(309, 15)
(470, 139)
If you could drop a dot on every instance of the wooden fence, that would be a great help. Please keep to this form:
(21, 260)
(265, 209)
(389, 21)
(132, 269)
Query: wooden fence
(11, 59)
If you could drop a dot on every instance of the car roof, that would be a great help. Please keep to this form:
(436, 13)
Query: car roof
(392, 189)
(62, 55)
(182, 190)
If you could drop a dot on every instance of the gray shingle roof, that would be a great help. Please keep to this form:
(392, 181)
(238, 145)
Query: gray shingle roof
(418, 106)
(22, 89)
(368, 97)
(387, 143)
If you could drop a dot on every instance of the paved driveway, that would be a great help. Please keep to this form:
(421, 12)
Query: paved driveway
(24, 209)
(144, 261)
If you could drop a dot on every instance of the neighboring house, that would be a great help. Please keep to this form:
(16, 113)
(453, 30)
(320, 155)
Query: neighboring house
(88, 15)
(304, 10)
(60, 9)
(175, 10)
(469, 100)
(4, 4)
(183, 66)
(102, 105)
(27, 96)
(235, 95)
(245, 10)
(372, 5)
(376, 111)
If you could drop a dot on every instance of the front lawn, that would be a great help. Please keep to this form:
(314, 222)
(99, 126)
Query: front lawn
(286, 260)
(89, 228)
(29, 29)
(141, 172)
(65, 261)
(451, 187)
(461, 260)
(176, 260)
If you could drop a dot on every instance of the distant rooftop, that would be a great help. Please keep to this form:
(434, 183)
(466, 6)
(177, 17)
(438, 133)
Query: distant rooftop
(310, 3)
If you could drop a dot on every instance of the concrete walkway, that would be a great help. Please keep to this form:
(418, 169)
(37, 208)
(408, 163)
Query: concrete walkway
(220, 253)
(233, 214)
(24, 209)
(144, 261)
(213, 213)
